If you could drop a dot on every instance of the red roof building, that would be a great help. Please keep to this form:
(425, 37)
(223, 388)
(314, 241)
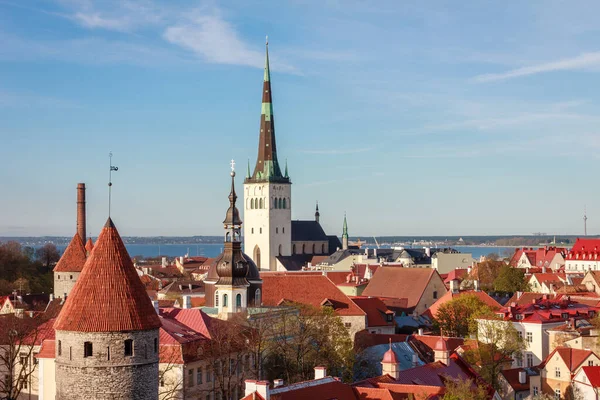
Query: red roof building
(108, 295)
(543, 257)
(584, 256)
(449, 296)
(380, 319)
(420, 286)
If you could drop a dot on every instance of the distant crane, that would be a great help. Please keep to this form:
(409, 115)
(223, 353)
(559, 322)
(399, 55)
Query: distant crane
(376, 243)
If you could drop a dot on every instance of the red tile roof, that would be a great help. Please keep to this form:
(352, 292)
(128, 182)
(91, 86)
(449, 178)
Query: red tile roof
(108, 295)
(313, 290)
(73, 258)
(325, 388)
(545, 311)
(541, 257)
(48, 349)
(398, 282)
(593, 374)
(585, 249)
(523, 298)
(365, 339)
(456, 274)
(89, 245)
(431, 341)
(573, 358)
(512, 377)
(195, 318)
(449, 296)
(375, 309)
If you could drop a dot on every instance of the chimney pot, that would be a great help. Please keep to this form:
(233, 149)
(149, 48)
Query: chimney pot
(420, 332)
(277, 383)
(522, 377)
(320, 372)
(262, 388)
(250, 386)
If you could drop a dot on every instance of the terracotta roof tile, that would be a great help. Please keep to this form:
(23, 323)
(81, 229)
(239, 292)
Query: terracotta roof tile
(398, 282)
(572, 357)
(48, 349)
(375, 309)
(73, 258)
(89, 245)
(593, 374)
(108, 295)
(512, 377)
(306, 289)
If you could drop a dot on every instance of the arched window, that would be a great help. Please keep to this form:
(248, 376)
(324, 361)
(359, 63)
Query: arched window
(257, 299)
(284, 204)
(252, 204)
(313, 249)
(276, 230)
(280, 202)
(217, 298)
(279, 249)
(303, 248)
(262, 205)
(225, 300)
(276, 204)
(323, 248)
(293, 249)
(238, 300)
(257, 256)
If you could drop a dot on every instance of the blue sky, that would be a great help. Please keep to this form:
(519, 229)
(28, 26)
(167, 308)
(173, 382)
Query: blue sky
(445, 118)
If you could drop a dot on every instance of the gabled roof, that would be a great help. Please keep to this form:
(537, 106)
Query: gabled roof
(585, 249)
(593, 375)
(308, 231)
(512, 377)
(541, 257)
(306, 289)
(398, 282)
(375, 309)
(573, 358)
(108, 295)
(73, 258)
(456, 274)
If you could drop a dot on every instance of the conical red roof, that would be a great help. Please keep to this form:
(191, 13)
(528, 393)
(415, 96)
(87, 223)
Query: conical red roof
(89, 245)
(73, 258)
(109, 295)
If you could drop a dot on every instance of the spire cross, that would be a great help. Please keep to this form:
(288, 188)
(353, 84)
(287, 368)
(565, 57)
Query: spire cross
(232, 163)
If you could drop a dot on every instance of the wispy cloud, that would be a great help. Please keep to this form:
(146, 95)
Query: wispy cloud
(339, 151)
(581, 62)
(216, 41)
(96, 20)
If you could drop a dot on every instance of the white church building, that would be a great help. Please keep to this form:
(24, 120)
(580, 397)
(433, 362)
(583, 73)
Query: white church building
(271, 238)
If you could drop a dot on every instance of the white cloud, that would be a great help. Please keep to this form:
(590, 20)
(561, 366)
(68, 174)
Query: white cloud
(95, 20)
(216, 41)
(583, 61)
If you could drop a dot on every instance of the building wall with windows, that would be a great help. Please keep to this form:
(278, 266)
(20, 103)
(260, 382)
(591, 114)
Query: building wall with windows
(64, 283)
(555, 376)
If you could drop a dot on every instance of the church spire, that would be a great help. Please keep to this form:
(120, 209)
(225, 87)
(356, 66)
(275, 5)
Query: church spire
(345, 234)
(267, 167)
(317, 213)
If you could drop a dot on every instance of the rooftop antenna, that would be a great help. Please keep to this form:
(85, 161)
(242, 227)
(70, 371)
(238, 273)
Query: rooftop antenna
(584, 221)
(110, 170)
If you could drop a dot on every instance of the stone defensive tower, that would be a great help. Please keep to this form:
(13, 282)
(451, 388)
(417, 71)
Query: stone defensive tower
(107, 331)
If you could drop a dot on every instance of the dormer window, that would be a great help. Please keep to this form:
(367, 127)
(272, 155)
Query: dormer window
(518, 317)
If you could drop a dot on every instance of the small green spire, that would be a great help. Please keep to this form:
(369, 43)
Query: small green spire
(286, 170)
(248, 172)
(345, 230)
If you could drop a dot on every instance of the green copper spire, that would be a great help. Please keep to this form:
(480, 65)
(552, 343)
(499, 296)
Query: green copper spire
(286, 170)
(267, 166)
(248, 172)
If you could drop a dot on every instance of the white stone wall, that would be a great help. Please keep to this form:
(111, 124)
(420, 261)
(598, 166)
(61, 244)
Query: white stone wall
(582, 386)
(64, 282)
(108, 373)
(354, 323)
(582, 265)
(268, 229)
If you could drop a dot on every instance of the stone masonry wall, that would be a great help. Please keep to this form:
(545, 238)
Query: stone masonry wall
(64, 283)
(108, 373)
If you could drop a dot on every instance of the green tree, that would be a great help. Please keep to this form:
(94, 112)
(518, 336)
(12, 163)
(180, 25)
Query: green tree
(510, 280)
(48, 255)
(498, 343)
(464, 389)
(486, 272)
(310, 337)
(457, 317)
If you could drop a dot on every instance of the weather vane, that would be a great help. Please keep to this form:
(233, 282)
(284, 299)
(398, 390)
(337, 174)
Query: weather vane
(110, 170)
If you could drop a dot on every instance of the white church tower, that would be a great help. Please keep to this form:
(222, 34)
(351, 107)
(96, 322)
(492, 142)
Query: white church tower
(267, 194)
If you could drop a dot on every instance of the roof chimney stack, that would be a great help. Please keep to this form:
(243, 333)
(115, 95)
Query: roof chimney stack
(522, 377)
(320, 372)
(81, 211)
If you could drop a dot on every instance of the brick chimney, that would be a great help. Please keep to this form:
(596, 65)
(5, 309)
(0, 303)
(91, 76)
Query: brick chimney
(81, 211)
